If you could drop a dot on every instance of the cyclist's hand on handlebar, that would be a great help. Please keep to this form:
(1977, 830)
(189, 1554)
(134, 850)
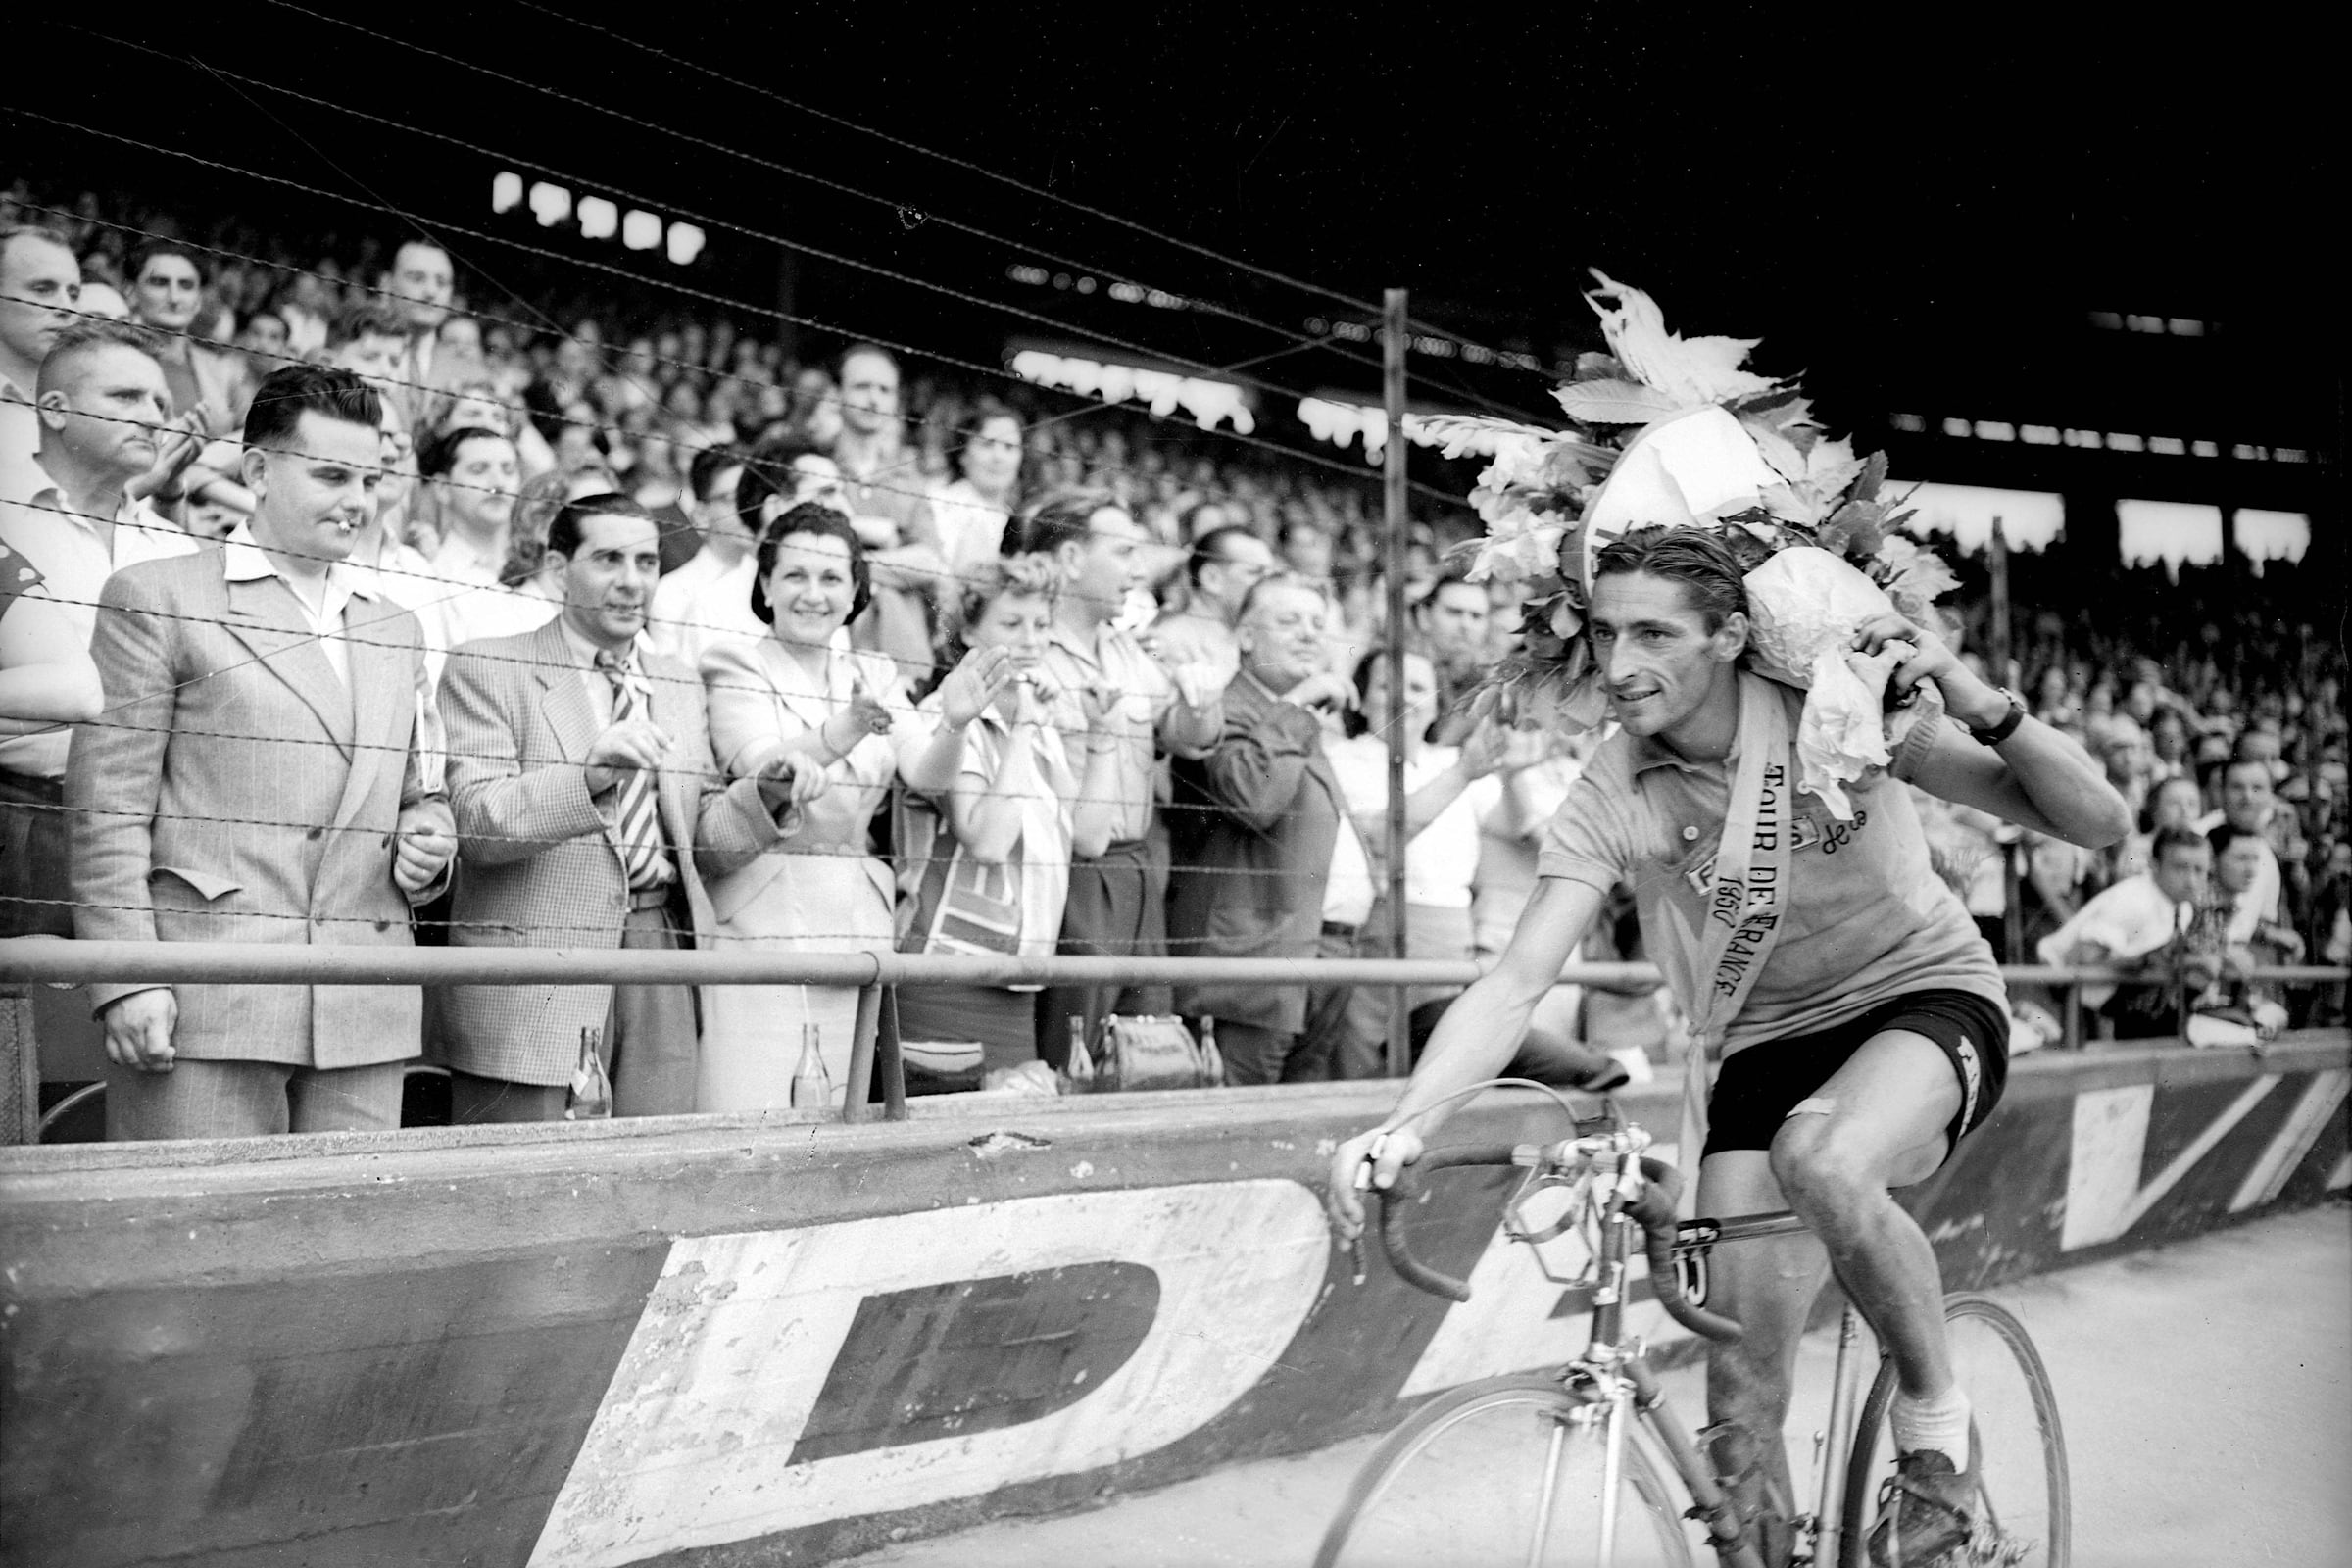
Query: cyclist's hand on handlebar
(1357, 1167)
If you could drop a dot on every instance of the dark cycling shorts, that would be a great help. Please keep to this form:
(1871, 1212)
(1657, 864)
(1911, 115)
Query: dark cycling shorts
(1762, 1083)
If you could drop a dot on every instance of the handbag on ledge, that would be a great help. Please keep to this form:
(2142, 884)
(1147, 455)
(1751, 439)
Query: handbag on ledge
(1155, 1050)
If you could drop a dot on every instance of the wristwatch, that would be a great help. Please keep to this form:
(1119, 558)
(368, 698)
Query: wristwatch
(2007, 726)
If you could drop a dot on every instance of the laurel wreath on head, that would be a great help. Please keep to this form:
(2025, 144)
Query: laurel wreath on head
(1769, 478)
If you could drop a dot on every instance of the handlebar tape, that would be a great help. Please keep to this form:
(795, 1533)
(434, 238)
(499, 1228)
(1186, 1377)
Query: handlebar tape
(1406, 1188)
(1653, 1211)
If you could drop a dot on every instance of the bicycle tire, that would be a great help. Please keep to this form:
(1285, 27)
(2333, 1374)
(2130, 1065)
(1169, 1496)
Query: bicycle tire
(2025, 1495)
(1447, 1451)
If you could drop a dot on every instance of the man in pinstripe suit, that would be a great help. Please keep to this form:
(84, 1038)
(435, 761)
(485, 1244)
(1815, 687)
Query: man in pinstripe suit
(589, 810)
(257, 777)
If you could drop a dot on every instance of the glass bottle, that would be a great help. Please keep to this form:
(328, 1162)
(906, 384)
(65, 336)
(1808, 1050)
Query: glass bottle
(811, 1085)
(1212, 1060)
(1080, 1068)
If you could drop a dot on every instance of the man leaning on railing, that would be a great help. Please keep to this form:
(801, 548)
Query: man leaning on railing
(257, 778)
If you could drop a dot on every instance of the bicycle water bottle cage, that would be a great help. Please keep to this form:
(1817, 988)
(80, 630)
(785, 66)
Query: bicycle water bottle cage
(1515, 1223)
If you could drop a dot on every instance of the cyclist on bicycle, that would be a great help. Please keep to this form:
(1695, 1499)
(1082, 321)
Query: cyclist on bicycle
(1866, 1029)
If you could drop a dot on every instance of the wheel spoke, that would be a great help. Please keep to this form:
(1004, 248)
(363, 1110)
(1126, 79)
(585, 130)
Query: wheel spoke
(1502, 1474)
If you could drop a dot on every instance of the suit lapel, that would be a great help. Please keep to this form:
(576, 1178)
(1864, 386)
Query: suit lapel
(263, 617)
(382, 694)
(563, 698)
(786, 680)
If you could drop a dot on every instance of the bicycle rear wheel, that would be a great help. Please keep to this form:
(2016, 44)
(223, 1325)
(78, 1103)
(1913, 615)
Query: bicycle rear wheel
(2024, 1508)
(1501, 1471)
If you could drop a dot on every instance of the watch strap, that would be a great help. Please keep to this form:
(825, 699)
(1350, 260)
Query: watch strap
(2008, 723)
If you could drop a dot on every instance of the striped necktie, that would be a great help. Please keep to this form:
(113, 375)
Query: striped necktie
(636, 829)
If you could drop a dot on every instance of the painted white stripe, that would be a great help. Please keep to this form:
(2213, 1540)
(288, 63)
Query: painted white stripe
(2341, 1176)
(2293, 1140)
(2103, 1195)
(2102, 1170)
(693, 1442)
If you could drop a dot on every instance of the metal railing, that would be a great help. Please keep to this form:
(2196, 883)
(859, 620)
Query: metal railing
(53, 961)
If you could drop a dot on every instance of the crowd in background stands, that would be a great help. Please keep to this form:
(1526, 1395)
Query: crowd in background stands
(924, 663)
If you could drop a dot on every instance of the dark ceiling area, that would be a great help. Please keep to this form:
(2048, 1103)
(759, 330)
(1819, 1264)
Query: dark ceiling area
(1963, 214)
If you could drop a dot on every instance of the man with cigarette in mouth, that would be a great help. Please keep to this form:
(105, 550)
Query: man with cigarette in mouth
(589, 813)
(256, 776)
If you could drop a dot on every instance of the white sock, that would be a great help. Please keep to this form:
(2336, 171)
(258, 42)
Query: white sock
(1939, 1423)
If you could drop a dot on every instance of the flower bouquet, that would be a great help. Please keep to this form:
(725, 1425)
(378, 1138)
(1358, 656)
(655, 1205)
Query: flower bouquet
(1670, 431)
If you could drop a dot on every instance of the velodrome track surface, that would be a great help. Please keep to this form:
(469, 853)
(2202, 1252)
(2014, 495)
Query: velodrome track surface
(2206, 1389)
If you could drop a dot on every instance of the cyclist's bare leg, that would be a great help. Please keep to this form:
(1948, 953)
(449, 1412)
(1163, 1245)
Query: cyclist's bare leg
(1879, 1123)
(1769, 1285)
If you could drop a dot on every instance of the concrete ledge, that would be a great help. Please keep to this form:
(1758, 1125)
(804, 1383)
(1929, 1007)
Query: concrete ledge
(728, 1340)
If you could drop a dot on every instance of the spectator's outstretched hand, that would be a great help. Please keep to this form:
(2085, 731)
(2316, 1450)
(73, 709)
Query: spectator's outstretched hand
(787, 781)
(865, 715)
(1100, 702)
(623, 748)
(1323, 690)
(978, 680)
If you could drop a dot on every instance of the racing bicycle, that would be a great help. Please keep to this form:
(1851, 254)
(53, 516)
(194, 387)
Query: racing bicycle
(1582, 1465)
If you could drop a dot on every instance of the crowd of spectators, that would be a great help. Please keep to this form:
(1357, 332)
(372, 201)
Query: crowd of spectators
(596, 630)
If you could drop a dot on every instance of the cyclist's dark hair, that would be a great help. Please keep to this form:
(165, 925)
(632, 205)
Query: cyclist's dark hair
(811, 516)
(569, 527)
(1697, 558)
(291, 391)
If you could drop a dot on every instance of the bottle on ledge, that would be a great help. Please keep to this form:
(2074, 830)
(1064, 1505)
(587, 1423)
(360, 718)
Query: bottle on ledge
(1079, 1070)
(812, 1086)
(1212, 1060)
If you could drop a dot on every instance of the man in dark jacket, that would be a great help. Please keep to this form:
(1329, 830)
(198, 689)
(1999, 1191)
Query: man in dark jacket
(1267, 863)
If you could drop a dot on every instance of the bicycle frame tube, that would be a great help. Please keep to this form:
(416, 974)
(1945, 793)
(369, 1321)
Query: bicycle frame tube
(1612, 1470)
(1846, 1383)
(1697, 1478)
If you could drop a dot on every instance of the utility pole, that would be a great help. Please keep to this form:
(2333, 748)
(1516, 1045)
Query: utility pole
(1398, 527)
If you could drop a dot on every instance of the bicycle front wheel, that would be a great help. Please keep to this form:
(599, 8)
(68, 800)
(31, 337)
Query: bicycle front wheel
(2024, 1510)
(1507, 1471)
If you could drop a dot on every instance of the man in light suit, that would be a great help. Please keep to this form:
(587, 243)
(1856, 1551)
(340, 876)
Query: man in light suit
(257, 777)
(589, 812)
(1268, 864)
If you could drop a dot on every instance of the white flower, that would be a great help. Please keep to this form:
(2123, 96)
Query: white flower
(1519, 543)
(1518, 460)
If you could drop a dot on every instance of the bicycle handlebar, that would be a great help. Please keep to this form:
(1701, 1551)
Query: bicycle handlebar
(1652, 1210)
(1407, 1189)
